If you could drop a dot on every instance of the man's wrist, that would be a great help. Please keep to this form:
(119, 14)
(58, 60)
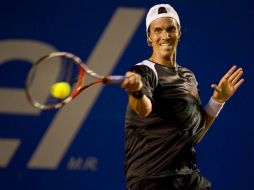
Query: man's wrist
(217, 100)
(138, 94)
(213, 107)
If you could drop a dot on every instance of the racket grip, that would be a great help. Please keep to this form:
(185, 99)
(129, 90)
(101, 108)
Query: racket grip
(115, 79)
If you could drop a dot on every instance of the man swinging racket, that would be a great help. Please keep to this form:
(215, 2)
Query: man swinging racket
(164, 118)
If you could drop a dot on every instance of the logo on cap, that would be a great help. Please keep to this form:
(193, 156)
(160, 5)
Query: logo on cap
(162, 10)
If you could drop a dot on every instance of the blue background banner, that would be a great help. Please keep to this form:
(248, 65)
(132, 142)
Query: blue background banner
(82, 145)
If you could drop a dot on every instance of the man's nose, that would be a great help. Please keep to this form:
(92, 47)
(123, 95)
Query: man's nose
(166, 35)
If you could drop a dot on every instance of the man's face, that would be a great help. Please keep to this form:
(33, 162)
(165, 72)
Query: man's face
(163, 36)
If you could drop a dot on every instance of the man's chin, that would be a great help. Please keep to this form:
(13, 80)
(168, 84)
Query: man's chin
(167, 55)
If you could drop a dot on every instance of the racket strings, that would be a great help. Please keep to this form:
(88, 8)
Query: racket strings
(67, 70)
(62, 68)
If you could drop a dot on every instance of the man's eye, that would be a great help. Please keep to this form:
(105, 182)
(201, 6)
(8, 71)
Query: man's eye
(171, 29)
(157, 30)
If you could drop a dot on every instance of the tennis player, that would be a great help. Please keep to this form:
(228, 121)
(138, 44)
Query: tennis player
(164, 119)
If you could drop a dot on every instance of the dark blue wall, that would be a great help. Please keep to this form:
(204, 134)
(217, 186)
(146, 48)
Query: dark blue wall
(215, 36)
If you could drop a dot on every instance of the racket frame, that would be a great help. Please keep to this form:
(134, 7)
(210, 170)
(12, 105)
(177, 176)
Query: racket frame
(83, 69)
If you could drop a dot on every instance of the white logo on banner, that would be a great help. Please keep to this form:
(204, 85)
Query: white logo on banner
(67, 122)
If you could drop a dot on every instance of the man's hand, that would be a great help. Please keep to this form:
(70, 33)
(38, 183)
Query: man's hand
(228, 85)
(132, 83)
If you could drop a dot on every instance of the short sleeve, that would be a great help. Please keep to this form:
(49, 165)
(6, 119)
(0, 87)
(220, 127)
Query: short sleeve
(148, 77)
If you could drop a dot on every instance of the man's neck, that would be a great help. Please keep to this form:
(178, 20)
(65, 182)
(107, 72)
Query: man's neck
(169, 62)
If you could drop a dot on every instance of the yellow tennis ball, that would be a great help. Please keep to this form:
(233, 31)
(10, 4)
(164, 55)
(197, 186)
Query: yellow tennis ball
(60, 90)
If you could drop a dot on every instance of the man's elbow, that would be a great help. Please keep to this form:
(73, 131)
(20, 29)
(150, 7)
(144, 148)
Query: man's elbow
(145, 111)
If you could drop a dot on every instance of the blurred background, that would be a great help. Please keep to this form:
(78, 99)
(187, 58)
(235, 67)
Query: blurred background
(82, 145)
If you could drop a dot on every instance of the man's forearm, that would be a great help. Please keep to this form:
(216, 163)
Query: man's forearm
(142, 106)
(208, 124)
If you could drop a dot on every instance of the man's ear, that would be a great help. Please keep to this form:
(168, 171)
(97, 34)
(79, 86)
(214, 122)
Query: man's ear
(180, 33)
(149, 41)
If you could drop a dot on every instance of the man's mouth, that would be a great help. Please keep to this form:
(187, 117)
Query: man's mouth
(165, 44)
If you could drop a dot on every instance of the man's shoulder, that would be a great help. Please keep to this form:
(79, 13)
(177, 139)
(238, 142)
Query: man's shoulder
(149, 67)
(185, 69)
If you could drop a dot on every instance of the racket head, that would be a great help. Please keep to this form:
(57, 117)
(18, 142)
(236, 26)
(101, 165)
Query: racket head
(51, 69)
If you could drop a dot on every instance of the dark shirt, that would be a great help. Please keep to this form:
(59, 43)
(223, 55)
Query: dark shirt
(162, 143)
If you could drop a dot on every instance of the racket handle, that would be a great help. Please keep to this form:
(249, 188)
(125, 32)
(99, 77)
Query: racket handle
(114, 79)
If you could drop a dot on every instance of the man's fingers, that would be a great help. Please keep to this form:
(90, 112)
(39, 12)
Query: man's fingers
(229, 73)
(236, 76)
(132, 82)
(238, 84)
(127, 80)
(125, 83)
(129, 74)
(215, 87)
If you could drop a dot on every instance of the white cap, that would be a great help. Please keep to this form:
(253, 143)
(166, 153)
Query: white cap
(161, 10)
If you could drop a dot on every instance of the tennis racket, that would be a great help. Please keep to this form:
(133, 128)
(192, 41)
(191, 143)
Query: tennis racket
(61, 67)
